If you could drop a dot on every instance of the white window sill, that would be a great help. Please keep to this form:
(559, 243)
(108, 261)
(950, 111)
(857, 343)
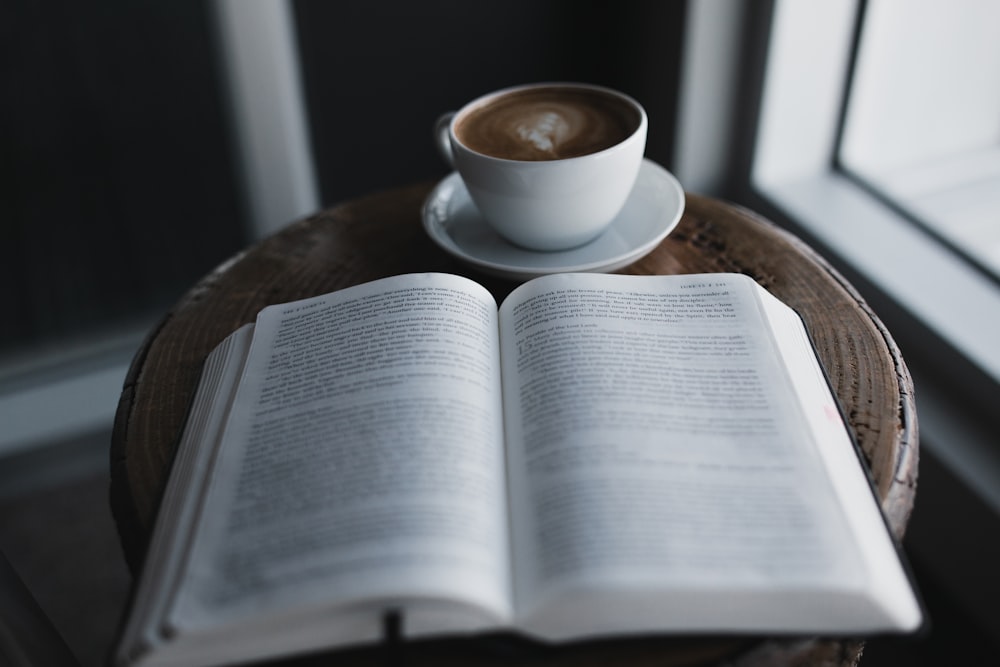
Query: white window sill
(948, 297)
(956, 196)
(57, 395)
(938, 288)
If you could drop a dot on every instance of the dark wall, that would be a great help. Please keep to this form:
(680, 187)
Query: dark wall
(117, 188)
(377, 74)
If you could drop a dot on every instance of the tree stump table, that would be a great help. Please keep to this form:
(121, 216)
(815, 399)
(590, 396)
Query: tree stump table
(382, 235)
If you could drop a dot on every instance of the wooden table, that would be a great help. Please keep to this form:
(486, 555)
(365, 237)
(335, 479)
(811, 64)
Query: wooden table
(381, 235)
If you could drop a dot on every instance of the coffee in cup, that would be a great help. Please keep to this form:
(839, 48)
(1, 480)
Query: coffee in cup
(547, 123)
(549, 166)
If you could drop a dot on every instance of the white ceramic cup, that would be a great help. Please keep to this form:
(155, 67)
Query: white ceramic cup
(551, 204)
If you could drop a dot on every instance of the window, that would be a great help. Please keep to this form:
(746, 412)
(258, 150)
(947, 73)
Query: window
(922, 122)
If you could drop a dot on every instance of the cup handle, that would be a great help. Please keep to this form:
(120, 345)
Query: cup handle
(442, 138)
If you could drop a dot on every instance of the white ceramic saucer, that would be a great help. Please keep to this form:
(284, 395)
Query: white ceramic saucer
(652, 211)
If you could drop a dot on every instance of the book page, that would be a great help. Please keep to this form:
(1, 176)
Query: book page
(887, 580)
(362, 463)
(184, 493)
(659, 459)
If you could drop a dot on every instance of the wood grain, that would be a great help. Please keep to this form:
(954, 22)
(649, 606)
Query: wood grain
(381, 235)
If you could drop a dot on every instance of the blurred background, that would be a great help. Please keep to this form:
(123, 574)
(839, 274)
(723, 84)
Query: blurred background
(143, 143)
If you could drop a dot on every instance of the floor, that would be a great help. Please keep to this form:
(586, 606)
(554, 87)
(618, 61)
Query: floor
(56, 530)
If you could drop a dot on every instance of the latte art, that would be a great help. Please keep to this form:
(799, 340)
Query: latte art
(548, 124)
(547, 130)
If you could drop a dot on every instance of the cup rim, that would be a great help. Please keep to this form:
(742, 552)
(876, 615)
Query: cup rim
(485, 98)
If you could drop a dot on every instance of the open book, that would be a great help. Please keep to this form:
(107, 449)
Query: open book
(603, 455)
